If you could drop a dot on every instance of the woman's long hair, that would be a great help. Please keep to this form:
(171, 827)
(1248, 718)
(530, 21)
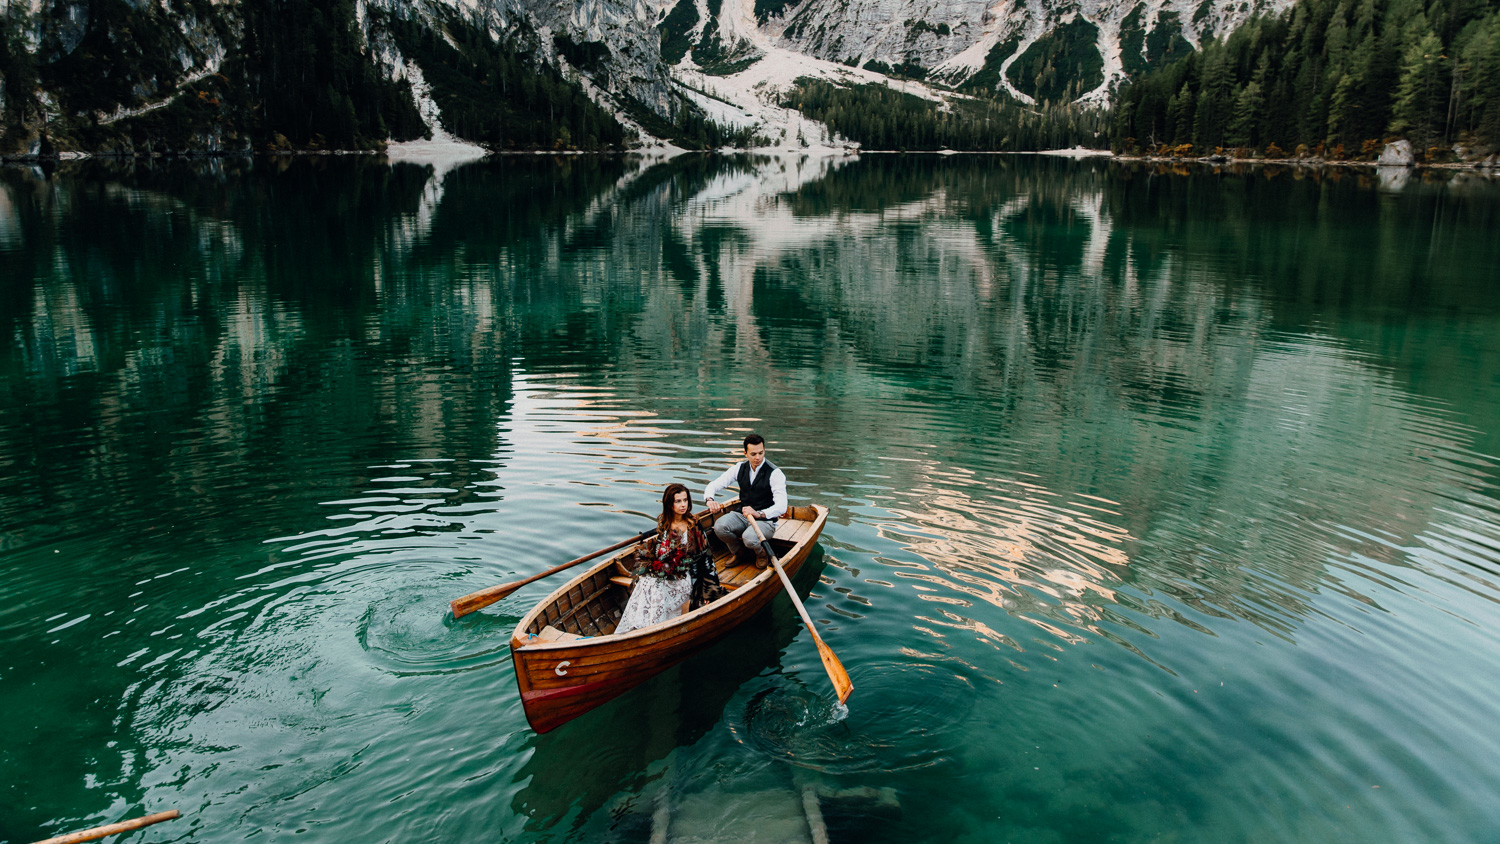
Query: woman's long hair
(664, 521)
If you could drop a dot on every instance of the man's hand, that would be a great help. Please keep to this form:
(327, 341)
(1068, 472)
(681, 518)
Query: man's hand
(713, 507)
(749, 512)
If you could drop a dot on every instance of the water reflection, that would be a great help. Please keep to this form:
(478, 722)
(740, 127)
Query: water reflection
(977, 301)
(1070, 418)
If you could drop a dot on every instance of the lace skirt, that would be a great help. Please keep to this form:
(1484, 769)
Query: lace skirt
(655, 599)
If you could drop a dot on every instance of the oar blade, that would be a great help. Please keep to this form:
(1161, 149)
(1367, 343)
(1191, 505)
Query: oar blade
(481, 599)
(841, 682)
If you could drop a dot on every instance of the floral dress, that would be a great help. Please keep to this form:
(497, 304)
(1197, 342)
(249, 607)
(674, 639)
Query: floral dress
(665, 582)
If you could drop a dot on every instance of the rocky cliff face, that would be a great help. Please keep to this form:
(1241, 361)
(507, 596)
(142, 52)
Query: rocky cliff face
(616, 40)
(206, 75)
(1030, 49)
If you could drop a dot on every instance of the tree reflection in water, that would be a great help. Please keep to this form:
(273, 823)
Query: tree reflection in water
(1050, 403)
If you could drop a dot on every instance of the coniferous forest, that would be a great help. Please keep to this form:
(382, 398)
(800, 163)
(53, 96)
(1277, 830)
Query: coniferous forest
(298, 77)
(1329, 78)
(497, 94)
(883, 118)
(303, 76)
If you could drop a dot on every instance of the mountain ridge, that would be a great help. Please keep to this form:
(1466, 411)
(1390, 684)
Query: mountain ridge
(212, 75)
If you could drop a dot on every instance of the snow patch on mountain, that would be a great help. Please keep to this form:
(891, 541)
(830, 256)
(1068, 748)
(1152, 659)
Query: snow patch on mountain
(954, 39)
(996, 24)
(443, 143)
(751, 96)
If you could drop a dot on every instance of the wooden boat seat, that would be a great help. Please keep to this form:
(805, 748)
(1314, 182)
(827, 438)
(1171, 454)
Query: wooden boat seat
(791, 528)
(621, 581)
(734, 577)
(789, 531)
(552, 634)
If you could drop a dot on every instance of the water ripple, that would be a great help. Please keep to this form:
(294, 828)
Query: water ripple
(910, 715)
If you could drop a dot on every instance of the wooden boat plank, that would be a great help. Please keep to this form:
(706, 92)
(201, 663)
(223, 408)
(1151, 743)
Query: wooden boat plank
(739, 575)
(586, 669)
(789, 529)
(575, 608)
(808, 529)
(543, 673)
(789, 538)
(586, 664)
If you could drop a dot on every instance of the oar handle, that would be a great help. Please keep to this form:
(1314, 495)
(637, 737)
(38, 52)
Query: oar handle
(114, 828)
(785, 581)
(484, 597)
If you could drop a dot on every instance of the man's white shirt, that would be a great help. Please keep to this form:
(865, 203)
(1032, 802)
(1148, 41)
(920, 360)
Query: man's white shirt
(732, 478)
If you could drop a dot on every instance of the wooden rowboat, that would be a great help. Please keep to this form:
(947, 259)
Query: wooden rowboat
(569, 659)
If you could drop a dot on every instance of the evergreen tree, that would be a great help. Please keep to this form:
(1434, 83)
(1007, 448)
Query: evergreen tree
(18, 74)
(1215, 102)
(1477, 78)
(1180, 111)
(1244, 127)
(1340, 107)
(1336, 42)
(1334, 76)
(1418, 109)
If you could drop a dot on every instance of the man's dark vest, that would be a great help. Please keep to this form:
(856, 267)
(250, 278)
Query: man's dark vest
(758, 494)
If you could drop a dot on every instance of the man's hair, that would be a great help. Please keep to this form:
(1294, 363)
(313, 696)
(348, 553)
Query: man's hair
(754, 439)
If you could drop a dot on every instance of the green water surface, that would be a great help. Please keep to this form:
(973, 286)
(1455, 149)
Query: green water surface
(1163, 503)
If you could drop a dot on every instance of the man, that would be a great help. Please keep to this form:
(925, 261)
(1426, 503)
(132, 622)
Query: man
(762, 498)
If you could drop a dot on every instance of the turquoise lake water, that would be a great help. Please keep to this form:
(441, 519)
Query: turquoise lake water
(1165, 504)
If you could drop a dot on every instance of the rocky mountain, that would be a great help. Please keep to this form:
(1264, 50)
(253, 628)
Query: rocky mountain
(1056, 50)
(153, 75)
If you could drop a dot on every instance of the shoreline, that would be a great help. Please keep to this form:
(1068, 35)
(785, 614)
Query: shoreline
(420, 152)
(397, 155)
(1219, 161)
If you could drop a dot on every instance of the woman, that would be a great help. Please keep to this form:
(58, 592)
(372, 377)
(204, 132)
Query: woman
(665, 581)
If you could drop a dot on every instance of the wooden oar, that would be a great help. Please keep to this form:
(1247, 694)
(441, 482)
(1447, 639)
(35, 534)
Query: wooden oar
(831, 664)
(101, 831)
(484, 597)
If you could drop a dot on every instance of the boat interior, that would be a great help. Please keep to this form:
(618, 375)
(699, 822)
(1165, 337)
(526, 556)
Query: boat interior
(592, 607)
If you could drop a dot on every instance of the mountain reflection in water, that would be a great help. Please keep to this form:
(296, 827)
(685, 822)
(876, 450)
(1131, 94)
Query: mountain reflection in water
(1163, 500)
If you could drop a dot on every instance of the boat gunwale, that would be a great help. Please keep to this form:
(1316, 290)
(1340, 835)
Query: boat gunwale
(671, 626)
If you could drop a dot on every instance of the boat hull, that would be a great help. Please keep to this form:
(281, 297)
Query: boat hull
(561, 680)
